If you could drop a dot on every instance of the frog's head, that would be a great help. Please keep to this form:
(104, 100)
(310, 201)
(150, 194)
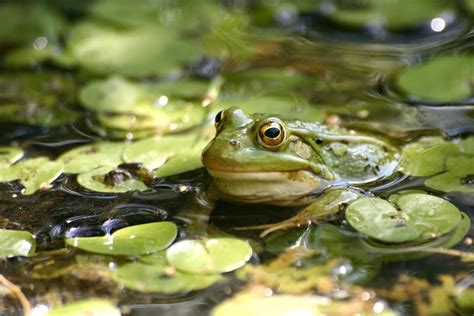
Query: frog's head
(256, 158)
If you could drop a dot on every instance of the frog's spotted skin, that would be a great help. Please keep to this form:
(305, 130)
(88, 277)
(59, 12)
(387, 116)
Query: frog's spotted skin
(269, 159)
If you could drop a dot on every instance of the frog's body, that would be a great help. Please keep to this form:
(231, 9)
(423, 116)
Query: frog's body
(269, 159)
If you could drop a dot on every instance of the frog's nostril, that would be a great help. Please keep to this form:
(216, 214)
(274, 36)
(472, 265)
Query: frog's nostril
(234, 143)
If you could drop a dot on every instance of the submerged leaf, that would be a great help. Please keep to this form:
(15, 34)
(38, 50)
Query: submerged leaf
(161, 279)
(418, 217)
(130, 241)
(427, 156)
(136, 52)
(461, 180)
(16, 243)
(89, 307)
(215, 255)
(443, 79)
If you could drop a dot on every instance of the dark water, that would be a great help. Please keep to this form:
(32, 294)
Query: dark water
(356, 65)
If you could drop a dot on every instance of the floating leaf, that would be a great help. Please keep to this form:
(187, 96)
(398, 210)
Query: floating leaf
(133, 107)
(89, 307)
(426, 157)
(136, 52)
(255, 304)
(215, 255)
(41, 22)
(161, 278)
(184, 161)
(16, 243)
(130, 241)
(34, 174)
(454, 181)
(443, 79)
(416, 217)
(37, 98)
(86, 158)
(275, 104)
(111, 180)
(9, 155)
(393, 15)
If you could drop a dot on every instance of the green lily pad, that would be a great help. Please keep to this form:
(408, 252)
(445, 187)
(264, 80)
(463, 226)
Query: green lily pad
(109, 179)
(184, 161)
(426, 157)
(41, 21)
(392, 15)
(161, 279)
(124, 105)
(130, 241)
(275, 104)
(9, 155)
(215, 255)
(177, 14)
(34, 174)
(89, 157)
(154, 152)
(135, 52)
(255, 304)
(443, 79)
(466, 146)
(454, 181)
(16, 243)
(37, 98)
(414, 217)
(89, 307)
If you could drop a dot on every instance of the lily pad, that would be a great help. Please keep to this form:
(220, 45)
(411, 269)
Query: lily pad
(154, 152)
(110, 180)
(124, 105)
(40, 98)
(215, 255)
(88, 157)
(426, 157)
(443, 79)
(135, 52)
(41, 21)
(16, 243)
(130, 241)
(34, 174)
(255, 304)
(161, 279)
(414, 217)
(388, 14)
(461, 180)
(89, 307)
(9, 155)
(273, 103)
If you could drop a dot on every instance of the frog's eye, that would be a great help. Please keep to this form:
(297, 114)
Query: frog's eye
(272, 134)
(218, 118)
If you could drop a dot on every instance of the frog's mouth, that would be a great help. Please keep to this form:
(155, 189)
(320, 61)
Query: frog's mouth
(277, 188)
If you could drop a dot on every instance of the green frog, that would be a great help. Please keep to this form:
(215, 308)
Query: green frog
(270, 159)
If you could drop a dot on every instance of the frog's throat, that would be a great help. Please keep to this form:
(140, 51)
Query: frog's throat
(277, 188)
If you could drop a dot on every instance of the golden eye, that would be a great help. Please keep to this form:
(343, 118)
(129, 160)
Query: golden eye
(272, 134)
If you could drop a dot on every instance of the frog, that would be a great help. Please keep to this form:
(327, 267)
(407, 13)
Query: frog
(276, 160)
(261, 158)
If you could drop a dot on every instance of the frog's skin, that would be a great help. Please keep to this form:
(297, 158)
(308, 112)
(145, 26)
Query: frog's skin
(298, 159)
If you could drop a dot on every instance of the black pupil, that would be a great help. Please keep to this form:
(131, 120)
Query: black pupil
(272, 132)
(218, 117)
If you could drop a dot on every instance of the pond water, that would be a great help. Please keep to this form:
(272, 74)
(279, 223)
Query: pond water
(106, 107)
